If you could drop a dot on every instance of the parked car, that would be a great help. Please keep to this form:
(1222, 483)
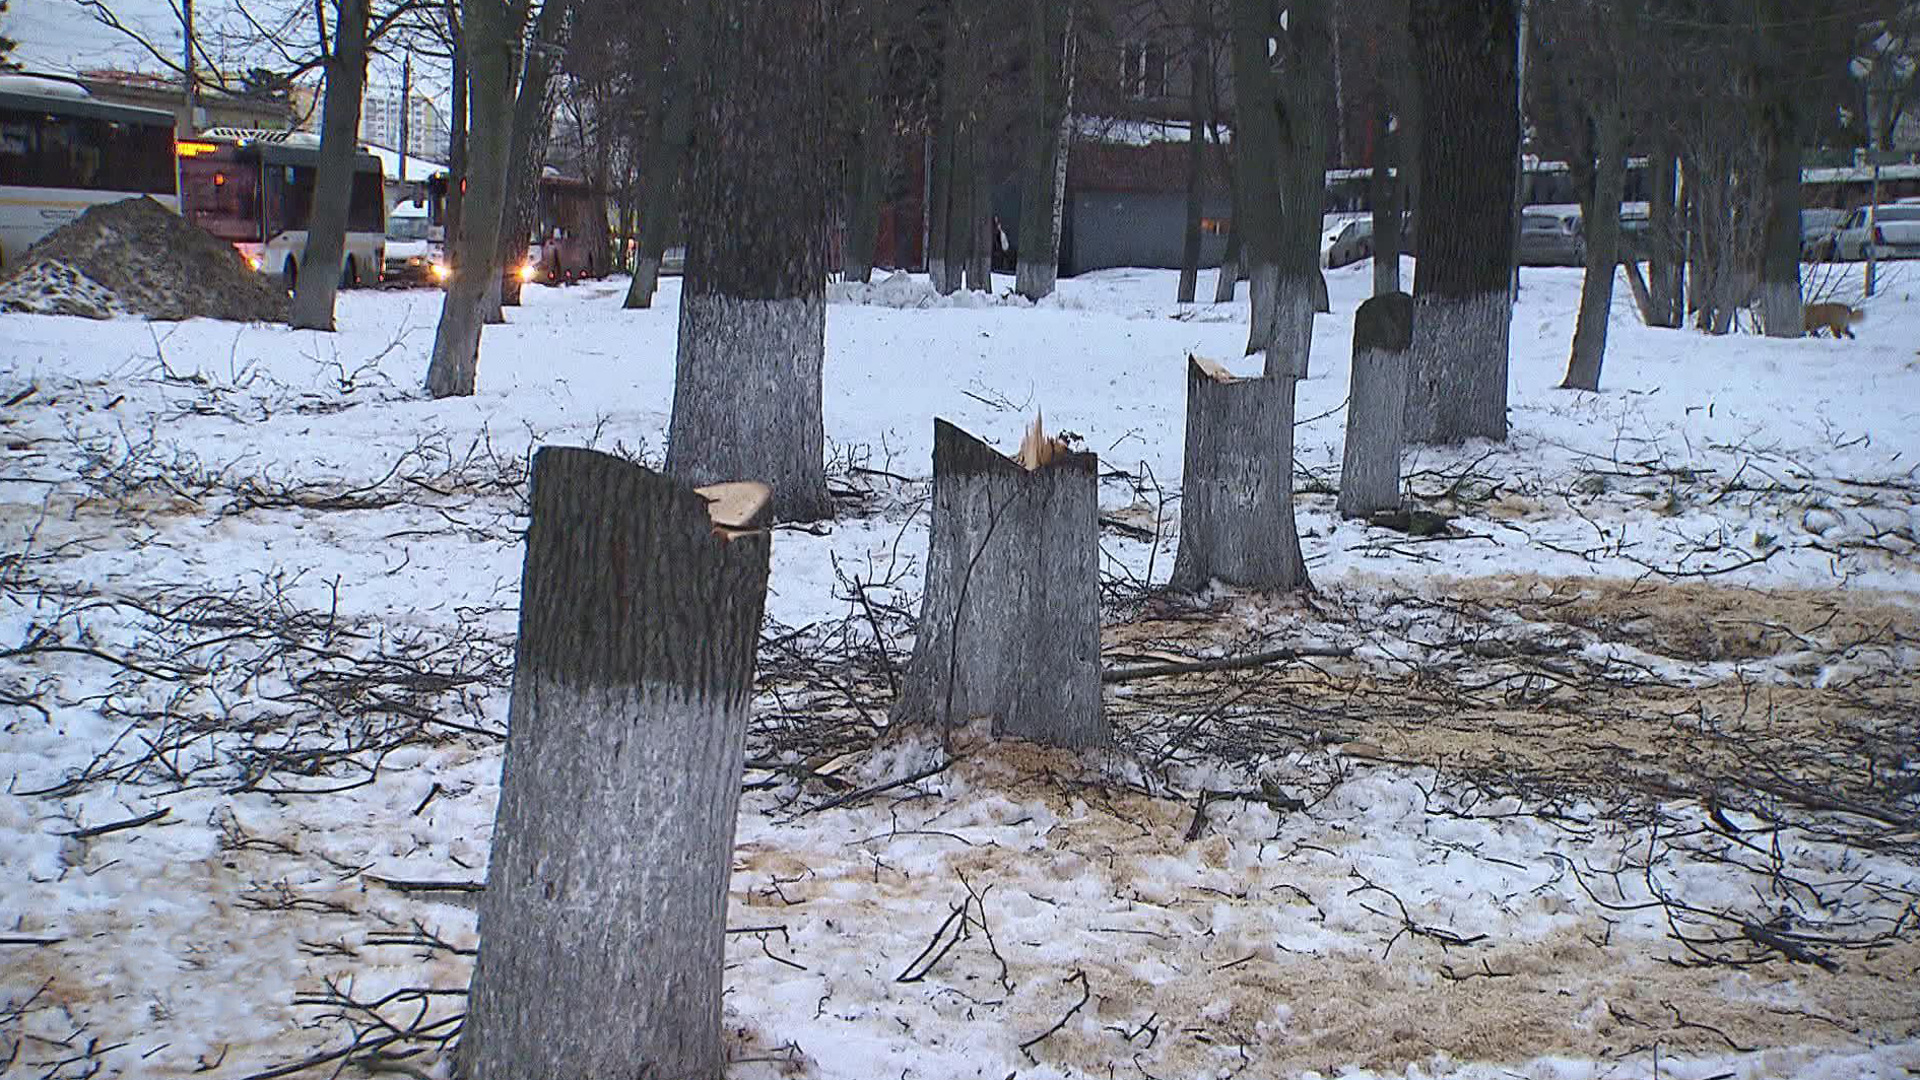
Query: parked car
(1895, 233)
(1551, 236)
(1345, 242)
(1819, 229)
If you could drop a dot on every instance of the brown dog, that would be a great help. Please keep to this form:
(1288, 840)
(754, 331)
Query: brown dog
(1834, 317)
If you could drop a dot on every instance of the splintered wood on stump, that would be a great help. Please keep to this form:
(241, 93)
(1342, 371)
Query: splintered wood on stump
(1376, 406)
(602, 928)
(1010, 620)
(1236, 501)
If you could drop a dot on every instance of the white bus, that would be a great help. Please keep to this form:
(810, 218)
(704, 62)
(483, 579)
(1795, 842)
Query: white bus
(254, 189)
(61, 152)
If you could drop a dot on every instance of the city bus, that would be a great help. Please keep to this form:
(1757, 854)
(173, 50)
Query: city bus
(61, 152)
(254, 189)
(560, 243)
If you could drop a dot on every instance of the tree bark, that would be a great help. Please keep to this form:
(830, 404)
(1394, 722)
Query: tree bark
(1231, 260)
(1464, 51)
(346, 67)
(1010, 618)
(1256, 151)
(1196, 159)
(1666, 247)
(456, 136)
(1236, 501)
(866, 167)
(532, 123)
(1376, 406)
(603, 925)
(747, 377)
(679, 72)
(1780, 243)
(1385, 190)
(1602, 216)
(489, 31)
(1049, 34)
(1305, 87)
(980, 227)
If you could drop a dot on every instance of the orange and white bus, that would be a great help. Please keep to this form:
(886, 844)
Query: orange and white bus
(62, 152)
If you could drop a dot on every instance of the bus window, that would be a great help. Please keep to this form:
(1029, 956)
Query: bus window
(222, 197)
(367, 212)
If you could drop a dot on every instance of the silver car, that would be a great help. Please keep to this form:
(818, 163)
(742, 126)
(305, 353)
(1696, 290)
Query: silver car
(1895, 233)
(1551, 237)
(1346, 242)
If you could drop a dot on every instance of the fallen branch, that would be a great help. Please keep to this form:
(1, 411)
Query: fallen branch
(1225, 663)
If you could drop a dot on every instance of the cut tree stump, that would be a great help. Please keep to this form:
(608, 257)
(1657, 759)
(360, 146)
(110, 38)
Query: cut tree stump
(1376, 406)
(603, 924)
(1010, 619)
(1236, 500)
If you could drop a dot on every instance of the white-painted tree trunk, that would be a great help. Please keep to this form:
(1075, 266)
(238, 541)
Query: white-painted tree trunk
(603, 925)
(1376, 407)
(1236, 497)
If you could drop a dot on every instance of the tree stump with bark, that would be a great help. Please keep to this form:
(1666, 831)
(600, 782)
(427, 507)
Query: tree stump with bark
(1010, 619)
(602, 928)
(1236, 502)
(1376, 406)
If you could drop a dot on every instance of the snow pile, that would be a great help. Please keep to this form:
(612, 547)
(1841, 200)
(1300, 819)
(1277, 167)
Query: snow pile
(901, 289)
(136, 257)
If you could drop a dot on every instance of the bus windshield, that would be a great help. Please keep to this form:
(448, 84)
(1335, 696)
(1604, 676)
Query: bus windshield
(407, 228)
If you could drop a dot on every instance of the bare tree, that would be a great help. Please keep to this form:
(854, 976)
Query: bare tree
(1050, 36)
(533, 105)
(491, 27)
(346, 77)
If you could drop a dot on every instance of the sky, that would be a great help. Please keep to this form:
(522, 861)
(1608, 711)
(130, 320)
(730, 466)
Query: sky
(63, 36)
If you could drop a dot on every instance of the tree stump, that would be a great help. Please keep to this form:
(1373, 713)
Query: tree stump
(602, 928)
(1010, 618)
(1236, 500)
(1376, 406)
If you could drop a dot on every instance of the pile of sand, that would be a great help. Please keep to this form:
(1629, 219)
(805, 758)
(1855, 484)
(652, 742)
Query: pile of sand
(136, 257)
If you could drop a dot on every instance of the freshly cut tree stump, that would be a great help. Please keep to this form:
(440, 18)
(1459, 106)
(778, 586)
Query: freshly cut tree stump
(1236, 501)
(602, 928)
(1376, 406)
(1010, 619)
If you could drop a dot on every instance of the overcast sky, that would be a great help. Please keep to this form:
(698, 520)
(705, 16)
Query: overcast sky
(61, 36)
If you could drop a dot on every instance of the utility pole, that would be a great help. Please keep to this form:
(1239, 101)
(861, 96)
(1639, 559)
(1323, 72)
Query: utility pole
(406, 111)
(191, 121)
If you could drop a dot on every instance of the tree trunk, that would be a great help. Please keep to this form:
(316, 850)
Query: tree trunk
(980, 225)
(1256, 150)
(866, 167)
(1666, 243)
(1464, 51)
(1376, 406)
(603, 925)
(666, 155)
(1231, 260)
(1199, 93)
(1602, 216)
(1049, 33)
(489, 31)
(1385, 190)
(1236, 500)
(456, 137)
(532, 123)
(1010, 617)
(746, 391)
(1780, 244)
(333, 181)
(1305, 88)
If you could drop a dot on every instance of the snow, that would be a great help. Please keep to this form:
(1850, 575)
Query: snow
(143, 479)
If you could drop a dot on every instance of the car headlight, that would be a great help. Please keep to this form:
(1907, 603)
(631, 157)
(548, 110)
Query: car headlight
(253, 261)
(440, 271)
(526, 272)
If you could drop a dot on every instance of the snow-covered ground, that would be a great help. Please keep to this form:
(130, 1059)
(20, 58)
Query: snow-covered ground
(1618, 781)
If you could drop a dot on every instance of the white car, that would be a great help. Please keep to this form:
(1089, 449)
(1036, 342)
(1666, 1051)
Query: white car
(412, 256)
(1345, 242)
(1895, 233)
